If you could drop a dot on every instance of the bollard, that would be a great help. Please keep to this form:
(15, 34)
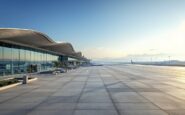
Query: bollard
(25, 79)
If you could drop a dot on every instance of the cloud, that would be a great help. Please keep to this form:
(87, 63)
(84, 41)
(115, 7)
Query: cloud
(136, 57)
(152, 49)
(146, 55)
(170, 43)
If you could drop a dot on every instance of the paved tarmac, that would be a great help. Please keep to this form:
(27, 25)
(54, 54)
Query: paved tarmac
(101, 90)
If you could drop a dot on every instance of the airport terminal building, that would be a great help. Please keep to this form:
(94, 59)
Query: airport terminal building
(26, 51)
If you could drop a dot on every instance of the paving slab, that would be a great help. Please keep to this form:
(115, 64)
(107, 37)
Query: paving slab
(127, 97)
(50, 112)
(136, 106)
(143, 112)
(101, 90)
(95, 106)
(95, 112)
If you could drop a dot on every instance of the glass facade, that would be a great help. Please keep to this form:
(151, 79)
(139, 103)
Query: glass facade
(16, 60)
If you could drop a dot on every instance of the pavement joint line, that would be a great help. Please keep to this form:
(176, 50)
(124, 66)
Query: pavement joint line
(32, 109)
(163, 92)
(150, 85)
(149, 101)
(9, 99)
(106, 77)
(141, 77)
(81, 93)
(115, 107)
(143, 96)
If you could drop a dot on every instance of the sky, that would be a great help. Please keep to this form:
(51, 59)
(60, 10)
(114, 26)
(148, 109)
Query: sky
(141, 30)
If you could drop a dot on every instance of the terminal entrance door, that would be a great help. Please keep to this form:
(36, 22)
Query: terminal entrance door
(32, 68)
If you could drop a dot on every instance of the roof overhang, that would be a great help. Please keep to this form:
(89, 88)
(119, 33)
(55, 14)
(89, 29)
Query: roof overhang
(37, 40)
(65, 48)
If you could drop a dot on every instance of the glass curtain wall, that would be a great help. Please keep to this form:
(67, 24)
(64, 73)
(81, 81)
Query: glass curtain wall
(17, 60)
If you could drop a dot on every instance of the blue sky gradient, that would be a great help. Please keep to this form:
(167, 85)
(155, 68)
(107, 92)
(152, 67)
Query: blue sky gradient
(97, 24)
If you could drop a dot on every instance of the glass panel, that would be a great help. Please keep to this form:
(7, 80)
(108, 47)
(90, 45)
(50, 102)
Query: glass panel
(15, 54)
(1, 61)
(22, 62)
(7, 64)
(1, 53)
(7, 54)
(28, 55)
(14, 60)
(32, 56)
(22, 55)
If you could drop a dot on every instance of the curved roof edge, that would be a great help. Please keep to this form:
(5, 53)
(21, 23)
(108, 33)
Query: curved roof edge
(62, 45)
(31, 30)
(25, 36)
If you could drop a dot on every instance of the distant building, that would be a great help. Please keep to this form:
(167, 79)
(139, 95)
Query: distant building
(24, 51)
